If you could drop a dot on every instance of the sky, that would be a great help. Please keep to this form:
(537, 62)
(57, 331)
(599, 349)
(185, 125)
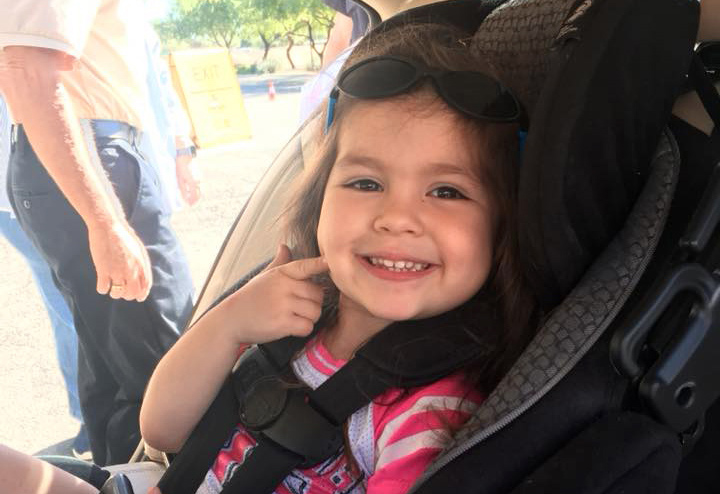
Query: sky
(157, 9)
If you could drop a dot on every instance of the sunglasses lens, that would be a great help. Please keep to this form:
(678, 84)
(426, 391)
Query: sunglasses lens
(378, 78)
(479, 95)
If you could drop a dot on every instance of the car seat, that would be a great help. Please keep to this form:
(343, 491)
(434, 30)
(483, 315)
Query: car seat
(599, 174)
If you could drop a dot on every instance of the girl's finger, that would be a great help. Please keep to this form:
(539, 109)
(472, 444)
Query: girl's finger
(309, 291)
(303, 269)
(282, 256)
(307, 309)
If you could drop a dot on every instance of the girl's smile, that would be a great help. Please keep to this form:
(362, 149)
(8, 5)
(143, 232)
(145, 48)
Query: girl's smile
(405, 224)
(396, 267)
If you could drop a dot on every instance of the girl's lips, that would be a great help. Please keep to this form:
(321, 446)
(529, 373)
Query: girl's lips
(380, 270)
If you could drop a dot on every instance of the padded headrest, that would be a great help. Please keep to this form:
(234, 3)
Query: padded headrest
(598, 79)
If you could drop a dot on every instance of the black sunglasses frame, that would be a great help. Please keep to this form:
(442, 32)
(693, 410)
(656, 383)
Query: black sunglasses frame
(439, 78)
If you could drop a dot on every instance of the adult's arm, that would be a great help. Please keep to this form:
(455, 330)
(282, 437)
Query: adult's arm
(31, 82)
(709, 29)
(339, 38)
(23, 474)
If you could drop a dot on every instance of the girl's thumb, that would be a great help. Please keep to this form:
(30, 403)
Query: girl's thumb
(282, 256)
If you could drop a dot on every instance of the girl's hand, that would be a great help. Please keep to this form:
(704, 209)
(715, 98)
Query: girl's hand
(154, 490)
(280, 301)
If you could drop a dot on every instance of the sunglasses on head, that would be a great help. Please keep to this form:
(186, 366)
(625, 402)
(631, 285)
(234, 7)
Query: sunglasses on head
(474, 94)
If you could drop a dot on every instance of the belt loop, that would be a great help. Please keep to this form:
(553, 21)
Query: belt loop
(13, 136)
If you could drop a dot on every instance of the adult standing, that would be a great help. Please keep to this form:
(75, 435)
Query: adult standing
(349, 24)
(57, 310)
(90, 203)
(166, 138)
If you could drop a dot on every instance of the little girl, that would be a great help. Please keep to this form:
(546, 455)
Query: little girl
(409, 211)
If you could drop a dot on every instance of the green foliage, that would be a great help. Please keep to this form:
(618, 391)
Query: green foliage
(232, 23)
(242, 69)
(221, 21)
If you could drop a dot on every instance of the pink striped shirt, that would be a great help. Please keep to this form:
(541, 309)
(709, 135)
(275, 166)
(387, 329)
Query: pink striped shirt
(393, 439)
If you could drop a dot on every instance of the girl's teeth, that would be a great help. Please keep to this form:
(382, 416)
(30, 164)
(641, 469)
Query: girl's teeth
(398, 265)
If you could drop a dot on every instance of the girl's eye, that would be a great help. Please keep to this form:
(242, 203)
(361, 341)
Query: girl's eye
(364, 184)
(447, 192)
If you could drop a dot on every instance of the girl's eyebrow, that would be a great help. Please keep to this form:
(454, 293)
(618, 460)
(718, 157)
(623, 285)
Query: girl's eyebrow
(439, 168)
(359, 160)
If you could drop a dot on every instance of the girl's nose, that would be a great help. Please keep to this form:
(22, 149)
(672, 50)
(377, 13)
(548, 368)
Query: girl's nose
(399, 215)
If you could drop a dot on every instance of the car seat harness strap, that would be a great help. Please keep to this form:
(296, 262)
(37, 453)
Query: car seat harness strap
(297, 427)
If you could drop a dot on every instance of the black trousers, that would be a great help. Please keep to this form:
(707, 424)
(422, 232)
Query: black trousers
(120, 342)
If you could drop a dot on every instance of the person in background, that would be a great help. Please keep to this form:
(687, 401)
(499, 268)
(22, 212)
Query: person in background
(171, 151)
(166, 139)
(90, 203)
(349, 25)
(58, 312)
(351, 22)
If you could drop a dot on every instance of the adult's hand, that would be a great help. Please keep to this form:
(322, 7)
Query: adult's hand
(188, 182)
(31, 79)
(121, 262)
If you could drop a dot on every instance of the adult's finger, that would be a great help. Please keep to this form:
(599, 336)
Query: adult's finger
(144, 285)
(132, 289)
(118, 288)
(303, 269)
(103, 283)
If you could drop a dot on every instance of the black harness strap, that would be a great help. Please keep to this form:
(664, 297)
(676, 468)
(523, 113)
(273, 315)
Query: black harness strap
(189, 467)
(269, 462)
(296, 427)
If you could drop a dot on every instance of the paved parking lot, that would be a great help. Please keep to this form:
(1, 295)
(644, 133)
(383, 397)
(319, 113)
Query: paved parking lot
(33, 415)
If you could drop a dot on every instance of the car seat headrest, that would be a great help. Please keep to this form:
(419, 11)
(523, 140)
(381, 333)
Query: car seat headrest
(598, 79)
(520, 39)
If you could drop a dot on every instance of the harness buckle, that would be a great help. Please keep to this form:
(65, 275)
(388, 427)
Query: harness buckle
(274, 410)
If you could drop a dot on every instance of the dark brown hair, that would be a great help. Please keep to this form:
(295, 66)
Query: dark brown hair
(440, 47)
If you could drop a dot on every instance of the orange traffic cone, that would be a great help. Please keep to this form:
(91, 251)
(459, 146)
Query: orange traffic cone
(271, 90)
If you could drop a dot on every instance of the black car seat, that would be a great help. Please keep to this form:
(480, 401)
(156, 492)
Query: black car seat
(599, 175)
(623, 413)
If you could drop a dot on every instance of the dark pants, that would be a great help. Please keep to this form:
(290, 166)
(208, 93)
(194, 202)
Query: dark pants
(120, 342)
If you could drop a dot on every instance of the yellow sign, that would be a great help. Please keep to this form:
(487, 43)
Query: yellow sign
(205, 80)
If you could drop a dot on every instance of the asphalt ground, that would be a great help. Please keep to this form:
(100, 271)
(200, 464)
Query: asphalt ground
(34, 415)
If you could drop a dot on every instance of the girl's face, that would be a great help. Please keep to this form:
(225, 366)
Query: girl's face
(406, 225)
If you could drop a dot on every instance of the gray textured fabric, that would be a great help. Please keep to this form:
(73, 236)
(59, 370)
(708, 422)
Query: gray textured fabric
(581, 319)
(518, 40)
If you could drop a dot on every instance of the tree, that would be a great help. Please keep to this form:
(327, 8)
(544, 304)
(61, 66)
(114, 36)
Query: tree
(306, 19)
(221, 21)
(226, 22)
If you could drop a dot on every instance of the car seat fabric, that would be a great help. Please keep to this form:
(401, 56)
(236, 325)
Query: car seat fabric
(573, 396)
(621, 453)
(607, 86)
(598, 78)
